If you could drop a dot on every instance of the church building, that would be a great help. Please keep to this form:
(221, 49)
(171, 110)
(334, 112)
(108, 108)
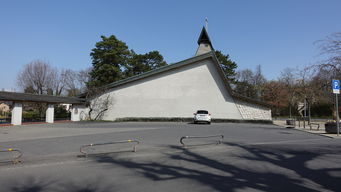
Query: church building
(179, 90)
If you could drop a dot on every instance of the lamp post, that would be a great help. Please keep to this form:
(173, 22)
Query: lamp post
(305, 111)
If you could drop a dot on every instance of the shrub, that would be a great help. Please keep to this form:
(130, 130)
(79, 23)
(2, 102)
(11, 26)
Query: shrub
(189, 119)
(321, 109)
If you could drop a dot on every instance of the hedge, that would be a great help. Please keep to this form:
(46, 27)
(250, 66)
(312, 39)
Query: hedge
(188, 119)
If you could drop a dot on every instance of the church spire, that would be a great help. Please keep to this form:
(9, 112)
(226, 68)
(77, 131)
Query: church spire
(204, 43)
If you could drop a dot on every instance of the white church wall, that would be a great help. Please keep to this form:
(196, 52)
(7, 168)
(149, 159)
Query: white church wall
(175, 93)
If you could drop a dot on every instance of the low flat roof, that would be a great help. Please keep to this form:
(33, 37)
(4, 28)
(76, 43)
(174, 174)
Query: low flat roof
(28, 97)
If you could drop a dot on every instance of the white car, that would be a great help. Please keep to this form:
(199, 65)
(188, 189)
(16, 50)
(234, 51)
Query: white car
(202, 116)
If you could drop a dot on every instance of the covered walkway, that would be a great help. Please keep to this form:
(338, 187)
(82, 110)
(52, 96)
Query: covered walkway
(19, 98)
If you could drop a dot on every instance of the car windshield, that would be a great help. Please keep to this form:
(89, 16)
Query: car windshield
(202, 112)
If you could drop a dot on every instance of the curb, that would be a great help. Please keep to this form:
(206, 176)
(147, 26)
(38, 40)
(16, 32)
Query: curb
(307, 131)
(320, 134)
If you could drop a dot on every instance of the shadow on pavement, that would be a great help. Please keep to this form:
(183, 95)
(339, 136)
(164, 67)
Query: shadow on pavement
(35, 184)
(263, 168)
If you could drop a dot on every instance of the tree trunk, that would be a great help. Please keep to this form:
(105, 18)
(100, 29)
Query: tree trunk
(90, 110)
(100, 113)
(334, 114)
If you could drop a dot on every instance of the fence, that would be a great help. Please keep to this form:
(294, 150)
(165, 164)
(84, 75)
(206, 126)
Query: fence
(5, 120)
(62, 117)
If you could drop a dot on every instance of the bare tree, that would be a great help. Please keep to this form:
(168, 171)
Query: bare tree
(325, 84)
(288, 77)
(258, 77)
(330, 46)
(329, 68)
(259, 81)
(71, 83)
(37, 74)
(83, 76)
(250, 83)
(244, 75)
(39, 77)
(308, 86)
(58, 81)
(98, 101)
(75, 81)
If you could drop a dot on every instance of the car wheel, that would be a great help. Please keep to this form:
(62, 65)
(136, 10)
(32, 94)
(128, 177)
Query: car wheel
(209, 122)
(195, 122)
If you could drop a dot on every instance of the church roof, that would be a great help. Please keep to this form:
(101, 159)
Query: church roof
(191, 60)
(204, 38)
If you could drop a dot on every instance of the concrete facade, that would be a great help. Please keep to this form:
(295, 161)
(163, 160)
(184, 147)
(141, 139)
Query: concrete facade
(16, 113)
(203, 48)
(78, 112)
(50, 113)
(176, 93)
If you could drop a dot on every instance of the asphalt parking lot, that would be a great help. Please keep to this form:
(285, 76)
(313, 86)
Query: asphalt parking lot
(251, 158)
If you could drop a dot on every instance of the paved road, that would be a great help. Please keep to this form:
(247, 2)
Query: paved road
(252, 158)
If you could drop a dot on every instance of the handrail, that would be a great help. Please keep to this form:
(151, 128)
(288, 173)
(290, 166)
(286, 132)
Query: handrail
(188, 137)
(106, 143)
(318, 125)
(16, 159)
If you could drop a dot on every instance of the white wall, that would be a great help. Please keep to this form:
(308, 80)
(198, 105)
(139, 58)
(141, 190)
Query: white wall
(78, 112)
(50, 113)
(175, 93)
(16, 113)
(203, 48)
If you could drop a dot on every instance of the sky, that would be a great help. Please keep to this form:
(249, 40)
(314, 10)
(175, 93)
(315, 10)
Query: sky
(272, 33)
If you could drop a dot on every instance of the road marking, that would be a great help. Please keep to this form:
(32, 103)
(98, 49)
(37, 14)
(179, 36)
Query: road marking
(279, 142)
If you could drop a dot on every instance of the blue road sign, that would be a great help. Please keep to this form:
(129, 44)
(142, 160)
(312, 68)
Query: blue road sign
(336, 86)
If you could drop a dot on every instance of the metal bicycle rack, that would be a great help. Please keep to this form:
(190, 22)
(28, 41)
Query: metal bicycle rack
(318, 125)
(107, 143)
(206, 136)
(16, 159)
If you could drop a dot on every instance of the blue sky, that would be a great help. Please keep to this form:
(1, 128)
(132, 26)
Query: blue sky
(275, 34)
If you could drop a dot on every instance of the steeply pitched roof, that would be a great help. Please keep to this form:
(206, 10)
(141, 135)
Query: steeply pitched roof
(6, 102)
(204, 38)
(27, 97)
(191, 60)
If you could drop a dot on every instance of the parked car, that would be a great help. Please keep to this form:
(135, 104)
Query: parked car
(202, 116)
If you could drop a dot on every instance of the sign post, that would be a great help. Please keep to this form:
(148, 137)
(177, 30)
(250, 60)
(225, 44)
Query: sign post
(336, 90)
